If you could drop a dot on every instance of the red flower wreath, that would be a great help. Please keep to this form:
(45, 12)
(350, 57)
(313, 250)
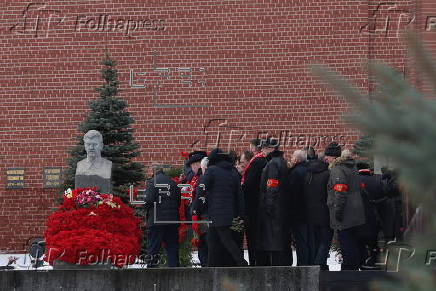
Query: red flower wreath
(91, 228)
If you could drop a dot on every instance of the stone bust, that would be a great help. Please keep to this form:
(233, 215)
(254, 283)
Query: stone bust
(94, 165)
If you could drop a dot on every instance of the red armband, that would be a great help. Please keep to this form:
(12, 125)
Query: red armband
(340, 188)
(272, 183)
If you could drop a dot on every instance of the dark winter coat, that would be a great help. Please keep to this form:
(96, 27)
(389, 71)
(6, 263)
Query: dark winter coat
(390, 210)
(199, 205)
(296, 187)
(251, 188)
(372, 195)
(344, 195)
(163, 192)
(315, 193)
(224, 198)
(273, 231)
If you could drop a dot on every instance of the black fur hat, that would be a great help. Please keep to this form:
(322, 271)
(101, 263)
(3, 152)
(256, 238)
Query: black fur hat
(333, 150)
(195, 156)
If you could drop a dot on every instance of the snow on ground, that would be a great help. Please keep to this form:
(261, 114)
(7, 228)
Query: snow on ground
(23, 262)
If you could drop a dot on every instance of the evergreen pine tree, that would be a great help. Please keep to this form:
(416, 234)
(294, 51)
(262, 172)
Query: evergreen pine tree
(109, 116)
(364, 147)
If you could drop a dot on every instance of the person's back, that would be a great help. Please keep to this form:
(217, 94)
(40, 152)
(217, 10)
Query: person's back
(251, 188)
(273, 239)
(223, 195)
(372, 193)
(315, 193)
(346, 207)
(162, 199)
(317, 212)
(297, 207)
(221, 183)
(344, 197)
(296, 176)
(162, 191)
(391, 209)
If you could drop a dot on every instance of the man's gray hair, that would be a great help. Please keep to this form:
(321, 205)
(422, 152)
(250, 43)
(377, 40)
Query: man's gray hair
(204, 162)
(92, 134)
(346, 154)
(300, 155)
(321, 156)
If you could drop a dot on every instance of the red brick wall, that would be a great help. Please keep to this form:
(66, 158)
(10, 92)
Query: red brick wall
(427, 18)
(248, 62)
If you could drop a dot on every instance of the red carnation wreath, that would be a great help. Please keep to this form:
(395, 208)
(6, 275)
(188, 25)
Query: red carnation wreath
(92, 228)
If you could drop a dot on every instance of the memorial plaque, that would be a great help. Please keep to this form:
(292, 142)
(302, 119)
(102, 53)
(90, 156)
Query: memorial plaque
(52, 177)
(15, 178)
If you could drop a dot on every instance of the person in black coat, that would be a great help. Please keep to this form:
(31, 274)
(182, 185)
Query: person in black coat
(162, 201)
(300, 229)
(221, 186)
(199, 213)
(372, 195)
(251, 187)
(272, 239)
(317, 212)
(391, 209)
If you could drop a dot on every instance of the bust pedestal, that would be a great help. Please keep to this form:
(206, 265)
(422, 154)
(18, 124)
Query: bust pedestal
(91, 173)
(103, 184)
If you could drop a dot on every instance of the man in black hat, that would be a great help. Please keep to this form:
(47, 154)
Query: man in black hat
(194, 165)
(272, 239)
(255, 147)
(194, 156)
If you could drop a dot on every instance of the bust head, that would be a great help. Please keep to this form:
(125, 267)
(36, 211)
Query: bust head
(93, 141)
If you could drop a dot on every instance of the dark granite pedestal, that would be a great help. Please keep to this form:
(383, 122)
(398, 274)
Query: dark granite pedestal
(165, 279)
(103, 185)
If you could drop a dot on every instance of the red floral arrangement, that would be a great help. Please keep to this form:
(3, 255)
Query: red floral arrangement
(92, 228)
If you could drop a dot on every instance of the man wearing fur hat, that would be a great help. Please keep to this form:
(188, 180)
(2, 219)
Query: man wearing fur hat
(345, 203)
(193, 164)
(194, 173)
(273, 246)
(188, 172)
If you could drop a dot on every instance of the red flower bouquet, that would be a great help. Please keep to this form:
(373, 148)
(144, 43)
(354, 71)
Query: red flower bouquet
(91, 228)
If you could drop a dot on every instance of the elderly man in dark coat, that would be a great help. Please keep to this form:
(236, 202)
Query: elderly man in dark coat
(273, 241)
